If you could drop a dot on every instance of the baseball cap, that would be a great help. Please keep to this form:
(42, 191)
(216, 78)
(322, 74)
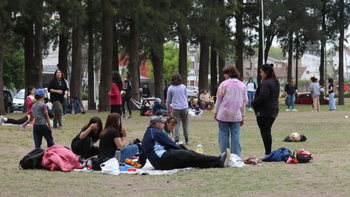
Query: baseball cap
(156, 119)
(39, 93)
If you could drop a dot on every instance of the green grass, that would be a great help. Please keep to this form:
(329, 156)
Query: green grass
(328, 174)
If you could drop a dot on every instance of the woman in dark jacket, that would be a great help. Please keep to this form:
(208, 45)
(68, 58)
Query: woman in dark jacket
(127, 95)
(265, 104)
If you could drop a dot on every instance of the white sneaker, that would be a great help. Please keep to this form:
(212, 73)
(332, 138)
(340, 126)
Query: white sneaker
(294, 110)
(287, 110)
(1, 120)
(250, 109)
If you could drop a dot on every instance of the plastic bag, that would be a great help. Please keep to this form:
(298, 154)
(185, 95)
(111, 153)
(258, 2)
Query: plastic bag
(236, 161)
(110, 167)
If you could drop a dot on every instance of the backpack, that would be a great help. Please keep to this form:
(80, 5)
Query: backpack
(32, 160)
(278, 155)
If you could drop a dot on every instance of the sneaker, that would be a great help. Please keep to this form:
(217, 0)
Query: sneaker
(1, 120)
(123, 116)
(24, 127)
(187, 141)
(294, 110)
(60, 127)
(130, 117)
(63, 118)
(225, 158)
(313, 111)
(55, 127)
(250, 109)
(318, 110)
(287, 110)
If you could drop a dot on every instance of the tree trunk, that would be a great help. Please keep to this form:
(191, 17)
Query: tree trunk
(63, 54)
(115, 66)
(158, 69)
(260, 53)
(107, 56)
(222, 22)
(38, 58)
(323, 44)
(183, 57)
(341, 54)
(290, 55)
(77, 66)
(213, 70)
(203, 64)
(239, 38)
(2, 109)
(29, 55)
(133, 66)
(296, 66)
(91, 70)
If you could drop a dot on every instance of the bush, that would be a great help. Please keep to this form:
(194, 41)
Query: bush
(84, 96)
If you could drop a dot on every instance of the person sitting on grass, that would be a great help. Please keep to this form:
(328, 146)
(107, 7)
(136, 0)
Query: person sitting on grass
(205, 99)
(159, 107)
(75, 105)
(164, 154)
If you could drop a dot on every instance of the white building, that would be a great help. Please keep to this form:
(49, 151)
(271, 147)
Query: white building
(346, 66)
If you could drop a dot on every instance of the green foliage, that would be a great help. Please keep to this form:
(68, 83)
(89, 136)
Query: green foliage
(276, 52)
(84, 96)
(13, 67)
(171, 61)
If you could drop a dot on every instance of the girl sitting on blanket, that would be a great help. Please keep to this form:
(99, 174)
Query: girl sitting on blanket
(169, 126)
(114, 137)
(83, 143)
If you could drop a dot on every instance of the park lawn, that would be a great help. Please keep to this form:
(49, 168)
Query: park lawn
(328, 174)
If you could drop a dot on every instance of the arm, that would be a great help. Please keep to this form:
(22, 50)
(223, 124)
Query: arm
(87, 131)
(264, 94)
(47, 116)
(169, 98)
(113, 92)
(120, 142)
(164, 140)
(162, 107)
(29, 101)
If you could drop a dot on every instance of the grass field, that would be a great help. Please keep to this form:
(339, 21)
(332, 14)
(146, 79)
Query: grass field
(327, 175)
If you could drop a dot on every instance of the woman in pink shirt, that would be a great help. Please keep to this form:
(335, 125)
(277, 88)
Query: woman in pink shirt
(229, 111)
(115, 97)
(29, 101)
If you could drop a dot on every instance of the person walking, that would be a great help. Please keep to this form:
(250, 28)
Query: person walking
(291, 90)
(127, 94)
(115, 97)
(65, 101)
(177, 96)
(230, 108)
(331, 91)
(58, 92)
(315, 94)
(265, 104)
(251, 87)
(30, 100)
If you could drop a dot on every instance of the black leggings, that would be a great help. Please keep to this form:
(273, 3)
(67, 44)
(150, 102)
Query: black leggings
(116, 109)
(127, 100)
(265, 124)
(85, 148)
(19, 121)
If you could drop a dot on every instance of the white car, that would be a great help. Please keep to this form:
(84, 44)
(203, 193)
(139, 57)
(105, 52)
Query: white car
(192, 91)
(18, 101)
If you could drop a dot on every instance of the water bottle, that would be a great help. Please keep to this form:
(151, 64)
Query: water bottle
(117, 155)
(199, 148)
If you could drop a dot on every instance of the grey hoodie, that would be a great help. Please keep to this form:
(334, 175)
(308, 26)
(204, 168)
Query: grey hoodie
(315, 90)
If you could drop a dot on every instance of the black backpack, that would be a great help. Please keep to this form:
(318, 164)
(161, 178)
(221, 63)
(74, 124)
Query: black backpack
(32, 160)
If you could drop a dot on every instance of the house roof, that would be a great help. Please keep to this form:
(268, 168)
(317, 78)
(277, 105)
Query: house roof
(282, 72)
(144, 66)
(274, 60)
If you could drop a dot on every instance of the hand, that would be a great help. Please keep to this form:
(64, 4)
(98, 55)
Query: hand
(65, 96)
(215, 117)
(169, 113)
(123, 132)
(242, 122)
(50, 127)
(93, 126)
(59, 91)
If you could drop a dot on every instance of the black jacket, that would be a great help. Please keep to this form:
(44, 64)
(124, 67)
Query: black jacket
(57, 85)
(290, 89)
(265, 102)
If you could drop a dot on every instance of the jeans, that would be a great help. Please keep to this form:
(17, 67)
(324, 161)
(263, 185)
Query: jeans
(225, 129)
(85, 148)
(331, 101)
(265, 124)
(177, 158)
(291, 100)
(128, 152)
(181, 115)
(250, 98)
(40, 131)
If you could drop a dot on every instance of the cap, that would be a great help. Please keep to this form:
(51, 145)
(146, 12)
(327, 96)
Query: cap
(39, 93)
(158, 100)
(156, 119)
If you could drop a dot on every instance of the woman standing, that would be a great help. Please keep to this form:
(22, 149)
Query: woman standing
(29, 101)
(230, 107)
(291, 89)
(58, 92)
(330, 91)
(265, 104)
(115, 97)
(127, 95)
(177, 96)
(251, 87)
(65, 101)
(113, 137)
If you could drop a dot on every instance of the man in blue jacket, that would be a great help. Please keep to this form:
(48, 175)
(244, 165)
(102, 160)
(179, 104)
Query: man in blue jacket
(164, 154)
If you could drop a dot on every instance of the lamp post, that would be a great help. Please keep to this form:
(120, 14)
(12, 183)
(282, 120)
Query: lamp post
(262, 31)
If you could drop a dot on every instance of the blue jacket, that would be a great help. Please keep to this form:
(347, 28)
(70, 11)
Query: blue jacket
(154, 144)
(157, 106)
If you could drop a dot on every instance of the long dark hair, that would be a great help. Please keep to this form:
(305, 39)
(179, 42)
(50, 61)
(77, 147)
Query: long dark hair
(30, 89)
(54, 75)
(112, 122)
(92, 121)
(117, 79)
(330, 80)
(270, 73)
(128, 75)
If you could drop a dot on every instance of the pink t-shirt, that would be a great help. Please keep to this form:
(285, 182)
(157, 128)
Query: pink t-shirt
(233, 96)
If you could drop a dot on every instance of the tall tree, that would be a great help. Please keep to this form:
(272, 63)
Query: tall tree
(91, 69)
(2, 109)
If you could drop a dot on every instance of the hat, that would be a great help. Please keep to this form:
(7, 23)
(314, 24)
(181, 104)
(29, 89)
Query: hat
(39, 93)
(158, 100)
(156, 119)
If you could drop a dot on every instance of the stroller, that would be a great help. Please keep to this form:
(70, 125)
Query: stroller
(146, 107)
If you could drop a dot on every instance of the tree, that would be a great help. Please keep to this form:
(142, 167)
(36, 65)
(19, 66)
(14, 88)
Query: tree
(13, 66)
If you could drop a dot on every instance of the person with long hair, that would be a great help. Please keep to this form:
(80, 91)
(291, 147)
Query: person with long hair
(58, 92)
(127, 94)
(177, 96)
(291, 90)
(330, 91)
(83, 143)
(115, 97)
(113, 137)
(265, 104)
(251, 87)
(230, 108)
(30, 101)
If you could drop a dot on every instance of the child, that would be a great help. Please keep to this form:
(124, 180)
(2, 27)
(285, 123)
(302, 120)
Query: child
(30, 101)
(158, 107)
(41, 116)
(76, 107)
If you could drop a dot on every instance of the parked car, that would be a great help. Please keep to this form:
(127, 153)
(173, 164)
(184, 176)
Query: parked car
(192, 91)
(18, 101)
(7, 101)
(305, 98)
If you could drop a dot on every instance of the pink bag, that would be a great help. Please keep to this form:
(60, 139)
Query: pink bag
(292, 160)
(305, 153)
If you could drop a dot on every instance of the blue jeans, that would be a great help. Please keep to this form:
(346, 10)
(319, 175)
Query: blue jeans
(331, 101)
(128, 152)
(291, 100)
(225, 128)
(40, 131)
(250, 98)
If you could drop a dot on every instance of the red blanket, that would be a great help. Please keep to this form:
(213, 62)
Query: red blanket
(60, 158)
